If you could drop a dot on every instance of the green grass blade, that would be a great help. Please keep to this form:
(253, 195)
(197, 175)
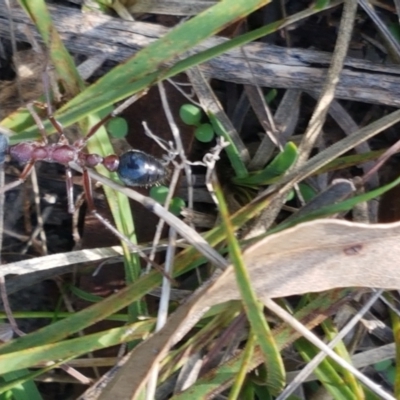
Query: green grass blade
(331, 332)
(240, 377)
(111, 305)
(277, 167)
(23, 378)
(231, 150)
(62, 60)
(326, 372)
(84, 104)
(146, 67)
(100, 143)
(74, 347)
(26, 388)
(395, 319)
(254, 308)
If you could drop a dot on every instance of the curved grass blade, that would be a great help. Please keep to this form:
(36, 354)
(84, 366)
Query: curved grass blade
(100, 143)
(74, 347)
(277, 167)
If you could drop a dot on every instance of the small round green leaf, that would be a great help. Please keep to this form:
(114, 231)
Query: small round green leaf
(117, 127)
(270, 96)
(290, 195)
(190, 114)
(204, 133)
(176, 205)
(159, 193)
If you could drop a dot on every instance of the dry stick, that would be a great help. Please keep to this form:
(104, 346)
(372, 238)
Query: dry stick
(261, 109)
(39, 216)
(166, 285)
(394, 149)
(287, 114)
(332, 79)
(211, 104)
(95, 391)
(75, 221)
(189, 97)
(38, 230)
(391, 42)
(299, 69)
(175, 176)
(134, 248)
(264, 116)
(271, 138)
(299, 72)
(7, 308)
(163, 309)
(22, 238)
(349, 126)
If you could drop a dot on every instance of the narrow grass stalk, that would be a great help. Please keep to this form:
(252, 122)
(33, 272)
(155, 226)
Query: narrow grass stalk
(240, 377)
(253, 307)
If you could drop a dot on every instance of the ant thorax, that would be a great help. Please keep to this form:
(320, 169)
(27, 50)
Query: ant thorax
(25, 152)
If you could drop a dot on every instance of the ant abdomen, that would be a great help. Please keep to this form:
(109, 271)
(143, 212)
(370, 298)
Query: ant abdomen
(137, 168)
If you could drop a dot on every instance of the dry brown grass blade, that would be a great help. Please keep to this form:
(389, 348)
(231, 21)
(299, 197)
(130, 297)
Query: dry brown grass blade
(310, 257)
(318, 118)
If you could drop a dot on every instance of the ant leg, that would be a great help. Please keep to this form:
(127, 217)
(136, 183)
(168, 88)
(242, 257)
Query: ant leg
(87, 185)
(118, 110)
(70, 190)
(24, 174)
(131, 246)
(38, 122)
(49, 111)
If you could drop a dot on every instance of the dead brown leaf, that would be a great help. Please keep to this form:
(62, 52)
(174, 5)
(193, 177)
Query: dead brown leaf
(311, 257)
